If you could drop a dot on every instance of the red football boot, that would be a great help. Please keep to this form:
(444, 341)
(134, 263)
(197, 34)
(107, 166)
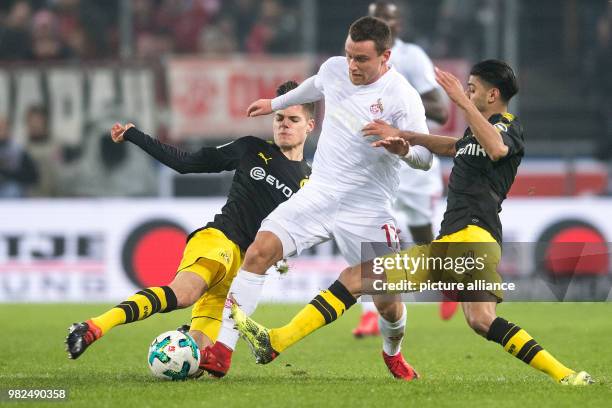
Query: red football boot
(216, 359)
(448, 309)
(368, 325)
(399, 368)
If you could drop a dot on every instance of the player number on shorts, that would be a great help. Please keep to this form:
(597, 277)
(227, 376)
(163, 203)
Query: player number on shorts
(392, 237)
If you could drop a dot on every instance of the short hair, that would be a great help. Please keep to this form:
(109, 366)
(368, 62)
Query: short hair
(288, 86)
(498, 74)
(374, 29)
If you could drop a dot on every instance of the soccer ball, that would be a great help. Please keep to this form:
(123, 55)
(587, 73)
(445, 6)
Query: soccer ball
(173, 356)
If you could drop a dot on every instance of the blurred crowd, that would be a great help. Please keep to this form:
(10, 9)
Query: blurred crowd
(81, 30)
(43, 30)
(33, 31)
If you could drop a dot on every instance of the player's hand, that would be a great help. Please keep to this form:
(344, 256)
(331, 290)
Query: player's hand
(453, 88)
(118, 130)
(260, 107)
(395, 145)
(381, 129)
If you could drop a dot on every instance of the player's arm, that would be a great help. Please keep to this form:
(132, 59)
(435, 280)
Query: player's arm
(435, 108)
(308, 91)
(486, 134)
(205, 160)
(416, 156)
(440, 145)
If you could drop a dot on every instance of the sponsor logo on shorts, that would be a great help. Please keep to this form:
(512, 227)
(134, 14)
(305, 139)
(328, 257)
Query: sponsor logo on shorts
(258, 173)
(225, 255)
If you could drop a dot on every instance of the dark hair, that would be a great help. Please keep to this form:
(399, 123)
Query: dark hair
(374, 29)
(288, 86)
(499, 75)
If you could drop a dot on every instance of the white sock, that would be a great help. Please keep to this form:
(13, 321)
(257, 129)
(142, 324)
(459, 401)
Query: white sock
(393, 333)
(246, 290)
(368, 306)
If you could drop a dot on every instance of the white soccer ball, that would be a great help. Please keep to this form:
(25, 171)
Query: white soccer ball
(173, 356)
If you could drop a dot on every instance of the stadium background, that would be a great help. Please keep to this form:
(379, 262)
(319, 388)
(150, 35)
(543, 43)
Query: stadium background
(103, 219)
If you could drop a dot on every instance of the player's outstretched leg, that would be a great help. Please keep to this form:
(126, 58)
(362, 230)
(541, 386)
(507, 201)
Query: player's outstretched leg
(325, 308)
(137, 307)
(183, 291)
(392, 322)
(481, 317)
(256, 336)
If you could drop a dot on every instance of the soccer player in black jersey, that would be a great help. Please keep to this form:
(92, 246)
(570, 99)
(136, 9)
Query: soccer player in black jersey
(266, 174)
(486, 159)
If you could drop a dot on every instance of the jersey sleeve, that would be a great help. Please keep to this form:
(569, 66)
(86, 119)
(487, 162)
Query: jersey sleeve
(307, 91)
(511, 135)
(205, 160)
(410, 115)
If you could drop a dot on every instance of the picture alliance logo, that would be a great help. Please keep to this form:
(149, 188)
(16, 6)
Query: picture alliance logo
(258, 173)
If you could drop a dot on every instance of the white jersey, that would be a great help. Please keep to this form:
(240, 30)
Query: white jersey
(413, 63)
(345, 163)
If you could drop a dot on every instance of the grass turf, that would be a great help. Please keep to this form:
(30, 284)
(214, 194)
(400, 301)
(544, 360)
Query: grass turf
(329, 368)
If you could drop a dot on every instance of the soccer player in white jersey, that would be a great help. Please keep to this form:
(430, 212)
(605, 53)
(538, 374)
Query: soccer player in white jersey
(351, 188)
(419, 190)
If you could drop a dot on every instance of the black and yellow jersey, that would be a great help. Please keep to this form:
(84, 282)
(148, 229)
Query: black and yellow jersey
(264, 177)
(478, 185)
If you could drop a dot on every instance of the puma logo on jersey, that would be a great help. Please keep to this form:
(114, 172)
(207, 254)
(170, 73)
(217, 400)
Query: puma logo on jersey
(263, 156)
(472, 149)
(377, 107)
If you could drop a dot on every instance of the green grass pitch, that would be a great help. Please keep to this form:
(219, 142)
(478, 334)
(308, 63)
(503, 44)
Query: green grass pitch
(329, 368)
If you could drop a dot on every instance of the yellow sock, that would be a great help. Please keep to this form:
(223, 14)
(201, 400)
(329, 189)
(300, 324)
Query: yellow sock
(326, 307)
(137, 307)
(545, 362)
(520, 344)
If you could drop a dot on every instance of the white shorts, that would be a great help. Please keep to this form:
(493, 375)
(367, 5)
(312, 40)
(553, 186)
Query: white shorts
(414, 210)
(312, 216)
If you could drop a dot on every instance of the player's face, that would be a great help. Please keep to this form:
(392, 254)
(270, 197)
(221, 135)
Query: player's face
(365, 65)
(291, 126)
(481, 93)
(389, 13)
